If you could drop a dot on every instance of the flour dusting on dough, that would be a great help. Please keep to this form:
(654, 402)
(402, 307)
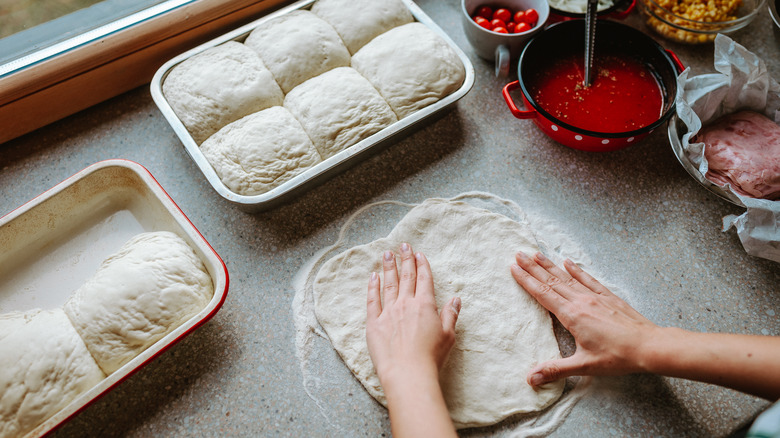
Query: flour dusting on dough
(325, 374)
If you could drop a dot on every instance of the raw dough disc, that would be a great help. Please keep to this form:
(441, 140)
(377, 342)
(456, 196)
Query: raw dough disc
(502, 332)
(152, 285)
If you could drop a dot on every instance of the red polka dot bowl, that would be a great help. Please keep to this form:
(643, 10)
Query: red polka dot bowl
(561, 40)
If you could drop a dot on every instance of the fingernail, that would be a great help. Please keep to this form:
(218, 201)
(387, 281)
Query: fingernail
(522, 256)
(537, 379)
(541, 257)
(389, 255)
(418, 256)
(405, 247)
(456, 305)
(570, 263)
(373, 278)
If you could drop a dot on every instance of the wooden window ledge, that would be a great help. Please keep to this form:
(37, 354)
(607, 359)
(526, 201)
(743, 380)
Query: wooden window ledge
(77, 79)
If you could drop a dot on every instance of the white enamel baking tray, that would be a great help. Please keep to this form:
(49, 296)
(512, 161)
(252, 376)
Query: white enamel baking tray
(54, 243)
(329, 167)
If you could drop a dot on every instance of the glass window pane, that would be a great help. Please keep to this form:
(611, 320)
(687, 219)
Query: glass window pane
(32, 30)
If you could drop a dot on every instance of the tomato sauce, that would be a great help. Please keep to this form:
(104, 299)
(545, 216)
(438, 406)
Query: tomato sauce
(624, 95)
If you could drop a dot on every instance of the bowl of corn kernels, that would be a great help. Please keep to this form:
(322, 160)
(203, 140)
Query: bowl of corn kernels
(698, 21)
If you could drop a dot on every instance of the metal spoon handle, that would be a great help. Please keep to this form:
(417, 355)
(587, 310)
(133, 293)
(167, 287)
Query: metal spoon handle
(590, 39)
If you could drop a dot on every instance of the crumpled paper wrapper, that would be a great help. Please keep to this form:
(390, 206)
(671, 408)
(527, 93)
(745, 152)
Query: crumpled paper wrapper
(743, 83)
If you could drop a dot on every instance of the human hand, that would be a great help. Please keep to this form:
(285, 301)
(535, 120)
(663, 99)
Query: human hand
(404, 331)
(609, 334)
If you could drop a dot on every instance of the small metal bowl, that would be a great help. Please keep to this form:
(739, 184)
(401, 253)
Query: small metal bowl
(685, 30)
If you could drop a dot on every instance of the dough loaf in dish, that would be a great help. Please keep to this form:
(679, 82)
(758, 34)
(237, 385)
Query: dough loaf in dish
(44, 365)
(152, 285)
(338, 109)
(219, 86)
(360, 21)
(502, 332)
(260, 151)
(298, 46)
(411, 66)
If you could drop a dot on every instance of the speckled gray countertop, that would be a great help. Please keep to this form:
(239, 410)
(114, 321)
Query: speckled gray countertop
(646, 224)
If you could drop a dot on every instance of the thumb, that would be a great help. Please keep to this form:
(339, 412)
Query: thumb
(449, 315)
(553, 370)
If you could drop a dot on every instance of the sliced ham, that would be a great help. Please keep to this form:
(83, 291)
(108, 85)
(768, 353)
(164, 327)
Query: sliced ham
(743, 149)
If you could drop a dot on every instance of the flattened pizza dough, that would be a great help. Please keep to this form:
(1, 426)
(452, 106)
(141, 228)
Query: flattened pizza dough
(298, 46)
(502, 332)
(338, 109)
(411, 66)
(366, 19)
(219, 86)
(140, 294)
(260, 151)
(44, 365)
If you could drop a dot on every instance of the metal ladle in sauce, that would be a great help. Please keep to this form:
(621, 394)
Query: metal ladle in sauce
(590, 40)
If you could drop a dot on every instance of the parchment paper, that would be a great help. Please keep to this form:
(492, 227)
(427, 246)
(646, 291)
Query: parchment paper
(742, 83)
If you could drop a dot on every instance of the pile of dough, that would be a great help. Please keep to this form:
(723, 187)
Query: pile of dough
(219, 86)
(338, 109)
(411, 66)
(366, 19)
(140, 294)
(44, 365)
(298, 46)
(302, 60)
(502, 332)
(261, 151)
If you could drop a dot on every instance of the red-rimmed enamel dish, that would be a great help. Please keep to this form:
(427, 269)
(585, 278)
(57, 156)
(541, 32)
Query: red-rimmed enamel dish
(55, 242)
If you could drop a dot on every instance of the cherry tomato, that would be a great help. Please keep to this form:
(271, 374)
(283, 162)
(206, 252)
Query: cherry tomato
(510, 27)
(482, 21)
(522, 27)
(531, 17)
(500, 29)
(497, 23)
(519, 17)
(485, 12)
(502, 14)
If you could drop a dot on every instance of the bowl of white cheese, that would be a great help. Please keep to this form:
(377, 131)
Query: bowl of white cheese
(562, 10)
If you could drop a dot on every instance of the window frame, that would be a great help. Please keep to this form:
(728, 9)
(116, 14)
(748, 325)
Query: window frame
(78, 78)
